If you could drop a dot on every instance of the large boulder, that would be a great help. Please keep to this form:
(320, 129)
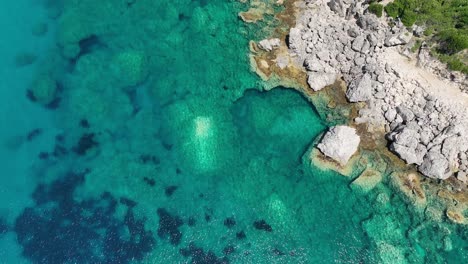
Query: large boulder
(401, 38)
(340, 143)
(436, 166)
(360, 90)
(407, 146)
(317, 80)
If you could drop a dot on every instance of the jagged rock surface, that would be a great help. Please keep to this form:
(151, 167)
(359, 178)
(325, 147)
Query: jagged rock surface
(339, 143)
(339, 38)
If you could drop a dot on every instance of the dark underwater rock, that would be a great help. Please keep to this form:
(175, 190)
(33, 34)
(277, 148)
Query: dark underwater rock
(169, 226)
(262, 225)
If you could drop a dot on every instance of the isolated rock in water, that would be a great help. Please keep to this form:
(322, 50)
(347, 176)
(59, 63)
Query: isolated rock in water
(269, 44)
(340, 143)
(360, 90)
(435, 165)
(318, 81)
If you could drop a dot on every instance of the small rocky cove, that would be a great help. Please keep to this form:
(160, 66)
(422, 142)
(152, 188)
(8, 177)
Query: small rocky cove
(406, 107)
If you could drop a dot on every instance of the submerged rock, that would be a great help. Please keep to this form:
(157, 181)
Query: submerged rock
(367, 180)
(340, 143)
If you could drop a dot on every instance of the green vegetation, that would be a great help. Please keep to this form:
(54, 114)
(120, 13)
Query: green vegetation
(416, 46)
(376, 9)
(446, 23)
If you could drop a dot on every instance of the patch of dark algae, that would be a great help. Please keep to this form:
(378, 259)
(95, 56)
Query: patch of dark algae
(59, 229)
(199, 256)
(169, 226)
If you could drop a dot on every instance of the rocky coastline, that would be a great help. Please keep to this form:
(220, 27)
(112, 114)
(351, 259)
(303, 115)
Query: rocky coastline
(425, 127)
(404, 105)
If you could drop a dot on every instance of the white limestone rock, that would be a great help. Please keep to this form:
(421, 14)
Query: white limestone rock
(340, 143)
(317, 80)
(360, 90)
(436, 166)
(269, 44)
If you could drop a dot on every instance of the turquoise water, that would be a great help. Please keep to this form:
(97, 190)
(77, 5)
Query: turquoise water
(146, 138)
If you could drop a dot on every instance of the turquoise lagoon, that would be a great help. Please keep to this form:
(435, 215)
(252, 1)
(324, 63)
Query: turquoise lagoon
(147, 138)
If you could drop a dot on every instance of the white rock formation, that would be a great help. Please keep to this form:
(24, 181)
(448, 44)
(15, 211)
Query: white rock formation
(425, 116)
(269, 44)
(340, 143)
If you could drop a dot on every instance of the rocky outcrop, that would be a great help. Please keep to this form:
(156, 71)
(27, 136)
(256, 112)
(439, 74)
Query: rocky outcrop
(339, 143)
(360, 90)
(269, 44)
(426, 123)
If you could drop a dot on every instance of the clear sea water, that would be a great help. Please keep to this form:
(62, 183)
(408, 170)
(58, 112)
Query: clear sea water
(161, 147)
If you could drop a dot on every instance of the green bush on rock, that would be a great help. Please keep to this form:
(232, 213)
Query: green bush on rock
(446, 23)
(376, 9)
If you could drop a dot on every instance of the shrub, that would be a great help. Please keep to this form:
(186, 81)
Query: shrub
(376, 9)
(453, 41)
(393, 10)
(408, 18)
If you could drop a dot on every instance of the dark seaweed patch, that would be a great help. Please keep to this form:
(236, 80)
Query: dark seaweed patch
(262, 225)
(169, 226)
(169, 190)
(149, 158)
(127, 202)
(229, 250)
(43, 155)
(229, 222)
(199, 256)
(54, 104)
(150, 182)
(84, 123)
(33, 134)
(59, 229)
(240, 235)
(59, 138)
(207, 217)
(59, 151)
(30, 96)
(167, 146)
(277, 252)
(85, 143)
(191, 221)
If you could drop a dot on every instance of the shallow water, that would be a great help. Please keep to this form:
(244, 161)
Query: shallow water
(164, 149)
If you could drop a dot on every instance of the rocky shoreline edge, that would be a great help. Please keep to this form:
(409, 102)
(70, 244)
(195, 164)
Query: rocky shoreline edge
(406, 110)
